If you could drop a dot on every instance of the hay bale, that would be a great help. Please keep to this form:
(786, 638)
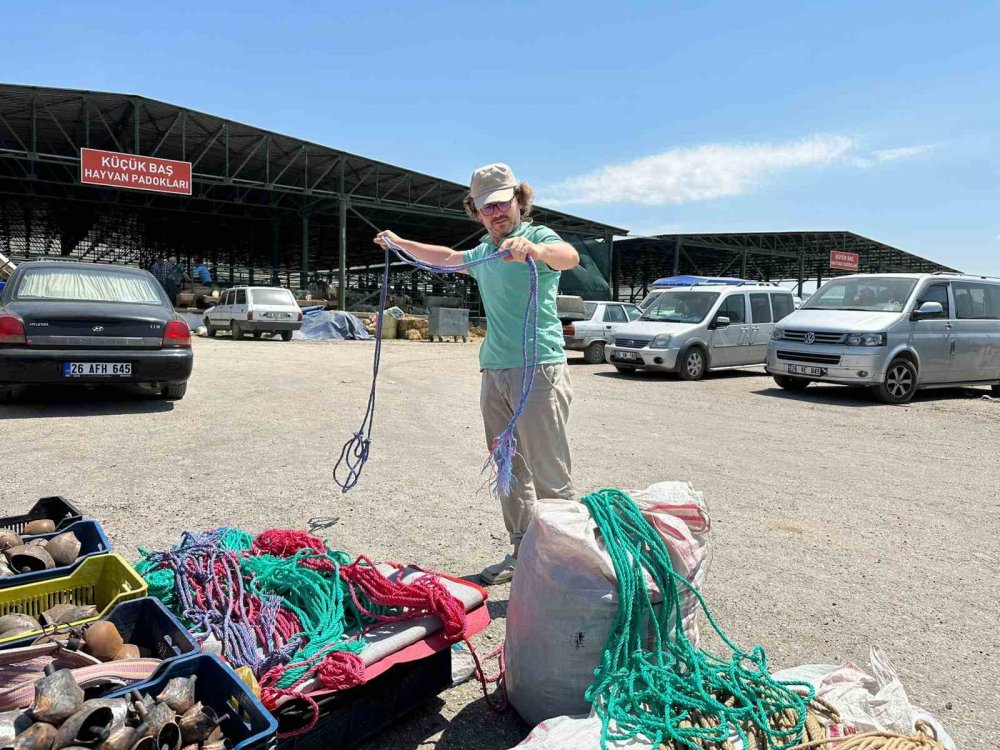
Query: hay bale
(478, 332)
(413, 335)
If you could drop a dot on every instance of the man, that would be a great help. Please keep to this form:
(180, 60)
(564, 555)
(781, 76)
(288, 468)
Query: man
(202, 273)
(542, 468)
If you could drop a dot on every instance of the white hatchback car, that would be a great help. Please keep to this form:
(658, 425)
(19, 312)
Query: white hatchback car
(603, 321)
(258, 309)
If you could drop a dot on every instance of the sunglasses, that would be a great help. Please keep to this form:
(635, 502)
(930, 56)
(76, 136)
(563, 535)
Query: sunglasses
(490, 208)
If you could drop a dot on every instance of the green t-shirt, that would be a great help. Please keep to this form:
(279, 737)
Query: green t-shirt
(504, 290)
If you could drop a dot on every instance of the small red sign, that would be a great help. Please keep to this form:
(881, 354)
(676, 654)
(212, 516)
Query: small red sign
(844, 261)
(111, 169)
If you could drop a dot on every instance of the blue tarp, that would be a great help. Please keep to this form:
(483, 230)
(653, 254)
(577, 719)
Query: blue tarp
(692, 280)
(330, 325)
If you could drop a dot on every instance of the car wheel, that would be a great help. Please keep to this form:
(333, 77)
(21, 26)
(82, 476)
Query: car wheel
(996, 389)
(899, 384)
(286, 335)
(594, 354)
(625, 370)
(174, 391)
(693, 364)
(258, 334)
(6, 395)
(236, 330)
(791, 384)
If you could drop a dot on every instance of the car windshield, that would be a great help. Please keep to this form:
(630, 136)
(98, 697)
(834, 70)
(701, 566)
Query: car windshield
(272, 297)
(649, 299)
(86, 285)
(869, 294)
(681, 307)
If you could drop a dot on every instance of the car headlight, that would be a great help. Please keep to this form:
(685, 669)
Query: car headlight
(660, 342)
(776, 334)
(866, 339)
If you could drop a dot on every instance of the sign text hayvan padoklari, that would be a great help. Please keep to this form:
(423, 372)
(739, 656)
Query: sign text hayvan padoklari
(135, 172)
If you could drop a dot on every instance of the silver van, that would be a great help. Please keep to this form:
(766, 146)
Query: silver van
(690, 330)
(895, 333)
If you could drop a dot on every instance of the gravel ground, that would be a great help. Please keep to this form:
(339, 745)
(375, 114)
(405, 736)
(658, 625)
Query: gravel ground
(838, 522)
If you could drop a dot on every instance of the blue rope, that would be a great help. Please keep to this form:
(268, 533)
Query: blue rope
(357, 450)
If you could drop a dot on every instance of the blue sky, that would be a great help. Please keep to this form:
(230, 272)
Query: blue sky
(878, 118)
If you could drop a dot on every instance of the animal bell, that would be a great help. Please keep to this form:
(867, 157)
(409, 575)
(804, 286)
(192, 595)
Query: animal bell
(127, 651)
(102, 640)
(5, 571)
(64, 549)
(57, 697)
(119, 708)
(179, 694)
(146, 743)
(155, 716)
(81, 612)
(169, 737)
(197, 723)
(88, 727)
(29, 559)
(53, 615)
(41, 526)
(16, 624)
(12, 723)
(39, 736)
(9, 539)
(122, 737)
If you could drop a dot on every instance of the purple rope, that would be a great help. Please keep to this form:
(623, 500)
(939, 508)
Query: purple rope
(500, 462)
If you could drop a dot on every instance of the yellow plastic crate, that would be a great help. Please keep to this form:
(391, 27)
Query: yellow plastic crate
(102, 580)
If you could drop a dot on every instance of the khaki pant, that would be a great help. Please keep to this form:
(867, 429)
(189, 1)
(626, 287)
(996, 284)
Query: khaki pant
(542, 466)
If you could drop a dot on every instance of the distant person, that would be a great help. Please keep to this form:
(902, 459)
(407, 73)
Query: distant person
(542, 466)
(202, 273)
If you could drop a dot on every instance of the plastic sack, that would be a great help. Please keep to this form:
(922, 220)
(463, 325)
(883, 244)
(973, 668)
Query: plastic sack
(866, 702)
(564, 596)
(573, 733)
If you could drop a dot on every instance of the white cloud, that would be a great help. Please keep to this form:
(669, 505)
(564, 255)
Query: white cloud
(715, 170)
(890, 154)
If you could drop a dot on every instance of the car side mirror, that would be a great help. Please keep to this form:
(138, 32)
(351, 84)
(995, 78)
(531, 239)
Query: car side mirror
(721, 322)
(928, 310)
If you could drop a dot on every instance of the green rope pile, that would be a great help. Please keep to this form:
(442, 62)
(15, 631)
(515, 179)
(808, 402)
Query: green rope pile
(670, 691)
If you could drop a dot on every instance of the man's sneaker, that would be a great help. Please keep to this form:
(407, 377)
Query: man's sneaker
(501, 572)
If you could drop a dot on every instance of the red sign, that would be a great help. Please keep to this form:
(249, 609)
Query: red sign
(134, 172)
(844, 261)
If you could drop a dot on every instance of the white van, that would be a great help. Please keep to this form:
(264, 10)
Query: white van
(895, 333)
(258, 309)
(690, 330)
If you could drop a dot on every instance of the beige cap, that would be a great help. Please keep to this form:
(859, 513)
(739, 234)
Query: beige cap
(493, 183)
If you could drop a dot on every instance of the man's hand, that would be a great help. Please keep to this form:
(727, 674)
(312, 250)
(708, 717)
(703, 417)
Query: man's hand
(382, 239)
(520, 249)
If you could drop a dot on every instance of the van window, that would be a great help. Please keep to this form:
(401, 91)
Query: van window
(272, 297)
(760, 307)
(936, 293)
(614, 314)
(783, 305)
(734, 307)
(241, 296)
(868, 294)
(975, 301)
(681, 307)
(632, 312)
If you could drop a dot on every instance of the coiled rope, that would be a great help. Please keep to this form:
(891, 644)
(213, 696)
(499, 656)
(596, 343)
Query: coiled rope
(356, 451)
(671, 691)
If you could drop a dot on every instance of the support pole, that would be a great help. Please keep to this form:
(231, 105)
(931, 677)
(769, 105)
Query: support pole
(342, 280)
(275, 248)
(614, 271)
(743, 264)
(304, 268)
(802, 271)
(677, 257)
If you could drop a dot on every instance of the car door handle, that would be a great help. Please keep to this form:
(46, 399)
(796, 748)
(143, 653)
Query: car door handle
(947, 326)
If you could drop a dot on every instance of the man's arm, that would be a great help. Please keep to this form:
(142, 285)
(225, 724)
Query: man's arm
(559, 256)
(439, 255)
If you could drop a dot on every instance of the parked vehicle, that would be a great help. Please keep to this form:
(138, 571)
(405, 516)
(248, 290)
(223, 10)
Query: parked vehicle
(68, 322)
(896, 333)
(695, 329)
(674, 282)
(258, 309)
(603, 320)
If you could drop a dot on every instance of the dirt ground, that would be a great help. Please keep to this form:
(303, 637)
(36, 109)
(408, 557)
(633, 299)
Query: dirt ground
(838, 523)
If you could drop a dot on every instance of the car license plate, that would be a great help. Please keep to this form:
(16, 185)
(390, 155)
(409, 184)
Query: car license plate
(277, 315)
(97, 369)
(626, 356)
(802, 370)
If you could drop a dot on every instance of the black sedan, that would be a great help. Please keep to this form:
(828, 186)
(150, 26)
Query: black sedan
(70, 323)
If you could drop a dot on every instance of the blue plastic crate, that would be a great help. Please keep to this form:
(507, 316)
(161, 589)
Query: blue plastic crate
(92, 542)
(250, 725)
(146, 623)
